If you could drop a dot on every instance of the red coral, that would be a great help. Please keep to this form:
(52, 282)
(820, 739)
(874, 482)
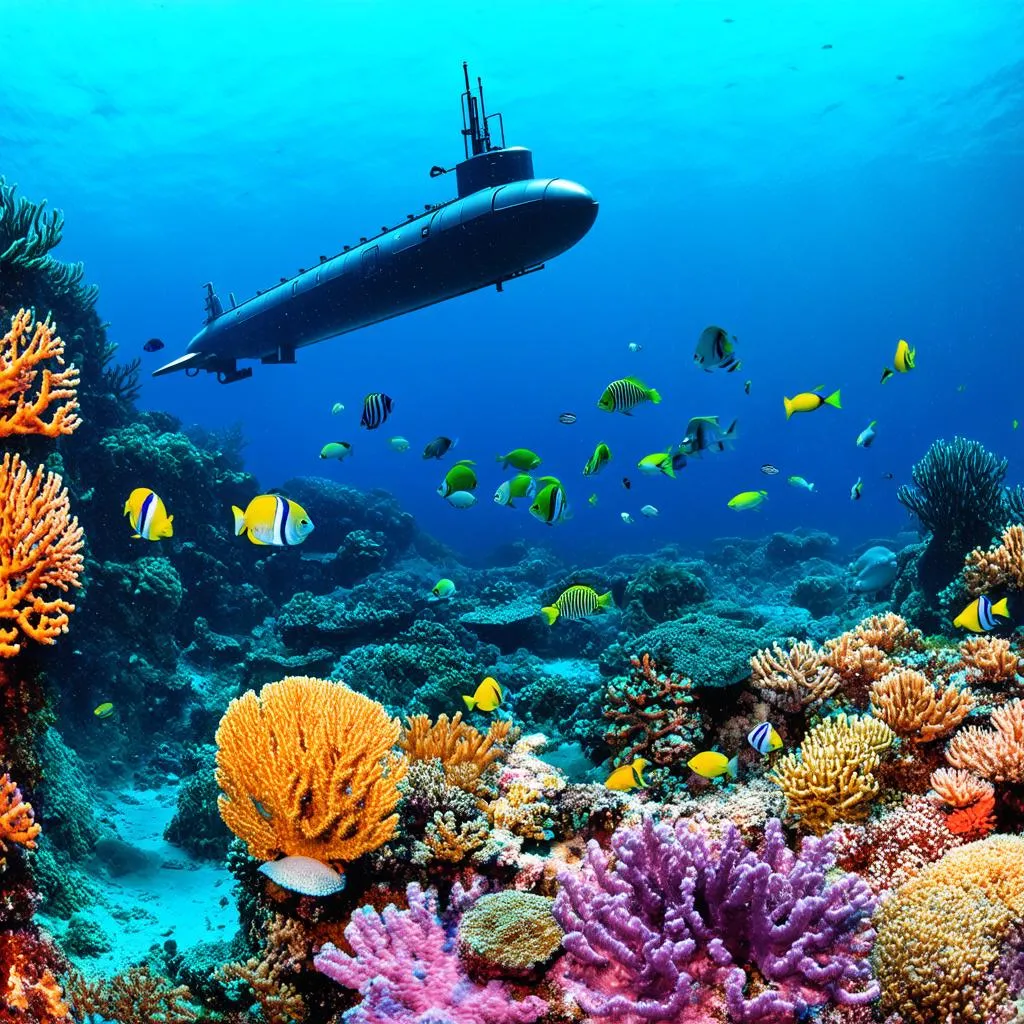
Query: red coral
(974, 822)
(29, 991)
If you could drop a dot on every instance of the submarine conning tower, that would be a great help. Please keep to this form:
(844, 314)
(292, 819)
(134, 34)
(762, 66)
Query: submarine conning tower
(486, 165)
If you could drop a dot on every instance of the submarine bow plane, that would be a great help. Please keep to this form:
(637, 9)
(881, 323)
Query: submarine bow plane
(503, 223)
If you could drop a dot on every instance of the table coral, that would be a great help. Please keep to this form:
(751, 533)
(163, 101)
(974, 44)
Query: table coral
(915, 710)
(17, 822)
(995, 754)
(793, 679)
(944, 939)
(307, 769)
(669, 920)
(833, 777)
(40, 552)
(1000, 567)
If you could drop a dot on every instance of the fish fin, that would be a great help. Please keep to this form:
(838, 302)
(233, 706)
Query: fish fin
(834, 400)
(733, 767)
(470, 702)
(734, 367)
(127, 508)
(606, 600)
(810, 487)
(136, 536)
(239, 520)
(465, 462)
(886, 374)
(732, 433)
(626, 412)
(550, 613)
(788, 405)
(654, 396)
(255, 540)
(1001, 608)
(639, 774)
(872, 424)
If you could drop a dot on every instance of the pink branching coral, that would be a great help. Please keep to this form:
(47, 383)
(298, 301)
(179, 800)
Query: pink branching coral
(994, 755)
(407, 971)
(959, 789)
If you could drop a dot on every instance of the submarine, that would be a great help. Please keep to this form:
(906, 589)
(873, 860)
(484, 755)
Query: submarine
(503, 224)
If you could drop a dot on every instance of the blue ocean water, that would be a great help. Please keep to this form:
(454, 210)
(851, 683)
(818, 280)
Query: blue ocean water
(821, 181)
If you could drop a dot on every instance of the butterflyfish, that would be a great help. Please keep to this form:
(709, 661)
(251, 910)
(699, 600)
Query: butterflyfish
(147, 515)
(716, 350)
(273, 519)
(376, 409)
(577, 602)
(764, 739)
(980, 615)
(626, 394)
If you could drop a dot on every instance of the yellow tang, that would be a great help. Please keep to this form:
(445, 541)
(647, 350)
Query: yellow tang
(808, 401)
(710, 764)
(628, 776)
(104, 710)
(147, 515)
(488, 696)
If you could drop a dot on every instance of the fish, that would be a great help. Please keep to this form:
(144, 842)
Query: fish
(336, 408)
(153, 345)
(769, 470)
(705, 434)
(488, 696)
(461, 477)
(866, 438)
(799, 481)
(273, 519)
(960, 387)
(650, 511)
(336, 450)
(104, 710)
(601, 457)
(147, 515)
(628, 776)
(592, 500)
(808, 401)
(577, 602)
(1015, 424)
(439, 447)
(376, 409)
(874, 570)
(568, 418)
(746, 386)
(522, 485)
(857, 490)
(443, 588)
(626, 394)
(634, 347)
(519, 458)
(398, 444)
(979, 616)
(461, 499)
(716, 350)
(904, 361)
(710, 764)
(764, 739)
(888, 476)
(626, 482)
(659, 462)
(626, 518)
(747, 500)
(303, 875)
(550, 506)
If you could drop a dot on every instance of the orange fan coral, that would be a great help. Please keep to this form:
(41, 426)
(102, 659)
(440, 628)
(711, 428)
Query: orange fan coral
(995, 755)
(1002, 566)
(989, 659)
(915, 710)
(24, 400)
(307, 769)
(464, 752)
(17, 822)
(793, 679)
(958, 788)
(40, 550)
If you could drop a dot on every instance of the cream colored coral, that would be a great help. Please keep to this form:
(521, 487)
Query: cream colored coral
(996, 755)
(958, 788)
(1000, 567)
(915, 710)
(793, 679)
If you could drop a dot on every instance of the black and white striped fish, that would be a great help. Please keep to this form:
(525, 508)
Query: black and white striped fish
(376, 410)
(625, 394)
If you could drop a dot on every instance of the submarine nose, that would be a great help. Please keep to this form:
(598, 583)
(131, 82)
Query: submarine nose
(571, 206)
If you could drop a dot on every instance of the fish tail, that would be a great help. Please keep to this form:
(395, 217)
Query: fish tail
(668, 469)
(607, 601)
(810, 487)
(833, 400)
(550, 614)
(1001, 608)
(239, 520)
(470, 702)
(654, 395)
(886, 374)
(788, 405)
(733, 767)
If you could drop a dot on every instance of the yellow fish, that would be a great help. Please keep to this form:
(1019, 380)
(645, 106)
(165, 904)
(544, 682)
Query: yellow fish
(273, 519)
(147, 515)
(904, 360)
(979, 615)
(710, 764)
(104, 710)
(808, 401)
(628, 776)
(488, 696)
(747, 499)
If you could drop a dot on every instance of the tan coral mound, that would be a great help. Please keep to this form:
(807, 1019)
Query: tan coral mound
(793, 679)
(915, 710)
(989, 659)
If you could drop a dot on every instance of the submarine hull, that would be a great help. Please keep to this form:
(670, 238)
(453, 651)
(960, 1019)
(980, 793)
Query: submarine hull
(482, 239)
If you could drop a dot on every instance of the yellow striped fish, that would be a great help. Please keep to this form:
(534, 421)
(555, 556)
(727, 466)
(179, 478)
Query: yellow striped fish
(626, 394)
(577, 603)
(272, 519)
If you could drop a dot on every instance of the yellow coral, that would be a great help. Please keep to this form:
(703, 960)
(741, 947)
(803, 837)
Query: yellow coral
(307, 769)
(464, 752)
(832, 778)
(918, 713)
(994, 755)
(522, 810)
(942, 937)
(1000, 567)
(795, 678)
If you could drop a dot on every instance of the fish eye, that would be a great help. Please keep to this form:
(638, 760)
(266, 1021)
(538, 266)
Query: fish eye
(303, 522)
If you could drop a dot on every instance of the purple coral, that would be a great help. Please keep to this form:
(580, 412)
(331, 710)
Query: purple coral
(408, 972)
(671, 922)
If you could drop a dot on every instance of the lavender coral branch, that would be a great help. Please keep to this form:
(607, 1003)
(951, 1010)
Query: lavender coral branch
(407, 970)
(671, 921)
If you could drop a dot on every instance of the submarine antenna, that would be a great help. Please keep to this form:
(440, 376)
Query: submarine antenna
(476, 132)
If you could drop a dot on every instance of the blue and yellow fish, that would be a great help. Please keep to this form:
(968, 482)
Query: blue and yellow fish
(980, 615)
(904, 361)
(273, 519)
(147, 515)
(764, 739)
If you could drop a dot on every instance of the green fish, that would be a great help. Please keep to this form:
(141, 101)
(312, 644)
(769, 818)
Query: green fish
(626, 394)
(104, 710)
(520, 458)
(747, 500)
(460, 477)
(522, 485)
(550, 506)
(592, 500)
(577, 603)
(336, 450)
(799, 481)
(601, 457)
(443, 588)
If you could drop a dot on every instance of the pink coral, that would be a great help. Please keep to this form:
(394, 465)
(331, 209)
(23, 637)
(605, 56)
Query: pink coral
(407, 972)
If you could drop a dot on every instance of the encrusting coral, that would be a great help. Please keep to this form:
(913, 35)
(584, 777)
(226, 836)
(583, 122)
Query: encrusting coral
(915, 710)
(307, 769)
(1001, 567)
(995, 754)
(17, 822)
(794, 679)
(509, 934)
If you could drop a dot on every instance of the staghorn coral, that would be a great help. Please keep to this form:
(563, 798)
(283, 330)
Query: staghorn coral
(307, 769)
(465, 752)
(994, 755)
(17, 822)
(889, 633)
(857, 664)
(407, 971)
(833, 776)
(26, 391)
(509, 934)
(267, 975)
(1000, 567)
(445, 838)
(915, 710)
(669, 921)
(945, 936)
(794, 679)
(135, 997)
(40, 551)
(958, 788)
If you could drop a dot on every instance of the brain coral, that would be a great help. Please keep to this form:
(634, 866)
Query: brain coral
(509, 933)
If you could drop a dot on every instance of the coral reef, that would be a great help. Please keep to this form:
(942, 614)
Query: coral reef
(995, 754)
(794, 679)
(915, 710)
(1001, 567)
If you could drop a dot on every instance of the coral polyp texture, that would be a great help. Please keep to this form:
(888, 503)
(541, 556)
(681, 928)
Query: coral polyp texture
(307, 768)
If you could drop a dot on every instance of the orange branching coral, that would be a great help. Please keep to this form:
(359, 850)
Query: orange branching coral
(989, 659)
(999, 568)
(40, 550)
(464, 752)
(29, 990)
(793, 679)
(833, 776)
(448, 839)
(307, 769)
(912, 707)
(958, 788)
(889, 633)
(24, 400)
(995, 755)
(271, 974)
(135, 997)
(974, 822)
(17, 823)
(857, 664)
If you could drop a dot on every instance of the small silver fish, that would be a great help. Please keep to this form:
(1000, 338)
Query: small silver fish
(625, 517)
(650, 511)
(769, 470)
